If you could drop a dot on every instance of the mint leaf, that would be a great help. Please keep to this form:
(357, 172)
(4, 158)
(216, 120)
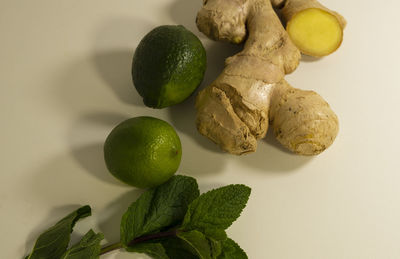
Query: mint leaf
(155, 250)
(215, 233)
(88, 248)
(178, 249)
(199, 243)
(54, 242)
(231, 250)
(216, 247)
(158, 208)
(216, 210)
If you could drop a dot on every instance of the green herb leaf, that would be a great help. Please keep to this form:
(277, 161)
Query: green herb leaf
(230, 250)
(215, 233)
(178, 249)
(216, 210)
(88, 248)
(155, 250)
(216, 247)
(199, 242)
(54, 242)
(158, 208)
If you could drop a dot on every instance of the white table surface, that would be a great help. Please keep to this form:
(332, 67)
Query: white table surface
(65, 83)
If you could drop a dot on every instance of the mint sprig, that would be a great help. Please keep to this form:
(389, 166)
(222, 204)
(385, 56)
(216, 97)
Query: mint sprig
(198, 242)
(213, 212)
(89, 247)
(53, 243)
(230, 249)
(155, 250)
(171, 221)
(158, 208)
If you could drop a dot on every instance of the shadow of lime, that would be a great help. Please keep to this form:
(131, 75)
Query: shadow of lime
(114, 45)
(114, 67)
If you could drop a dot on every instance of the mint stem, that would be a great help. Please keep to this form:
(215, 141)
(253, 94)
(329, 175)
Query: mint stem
(110, 248)
(168, 233)
(137, 240)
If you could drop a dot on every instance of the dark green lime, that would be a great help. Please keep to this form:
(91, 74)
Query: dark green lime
(168, 65)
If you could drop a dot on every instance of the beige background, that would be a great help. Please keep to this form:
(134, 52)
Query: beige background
(65, 83)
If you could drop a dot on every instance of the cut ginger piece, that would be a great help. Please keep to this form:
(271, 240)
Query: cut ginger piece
(315, 32)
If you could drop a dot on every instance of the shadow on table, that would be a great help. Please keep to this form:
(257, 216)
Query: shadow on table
(90, 156)
(184, 12)
(110, 219)
(114, 44)
(271, 156)
(114, 67)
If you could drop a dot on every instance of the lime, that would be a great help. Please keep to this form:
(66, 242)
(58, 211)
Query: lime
(143, 151)
(168, 65)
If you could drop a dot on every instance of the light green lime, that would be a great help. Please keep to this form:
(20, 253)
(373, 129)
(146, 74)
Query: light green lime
(143, 151)
(168, 65)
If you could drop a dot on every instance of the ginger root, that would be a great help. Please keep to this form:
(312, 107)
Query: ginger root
(302, 120)
(314, 29)
(236, 109)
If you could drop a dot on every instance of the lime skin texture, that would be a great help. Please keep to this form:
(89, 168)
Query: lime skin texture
(168, 65)
(143, 151)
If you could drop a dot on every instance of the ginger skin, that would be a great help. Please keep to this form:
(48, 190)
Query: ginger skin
(236, 109)
(302, 120)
